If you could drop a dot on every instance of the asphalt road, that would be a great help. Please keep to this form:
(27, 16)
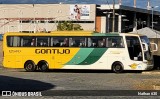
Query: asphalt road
(73, 80)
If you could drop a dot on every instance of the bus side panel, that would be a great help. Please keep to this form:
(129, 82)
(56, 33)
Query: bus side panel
(13, 61)
(12, 58)
(9, 61)
(62, 59)
(18, 62)
(88, 58)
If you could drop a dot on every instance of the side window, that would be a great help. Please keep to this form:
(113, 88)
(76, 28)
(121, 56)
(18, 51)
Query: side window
(102, 42)
(77, 42)
(89, 42)
(65, 42)
(115, 42)
(55, 42)
(28, 41)
(83, 42)
(9, 41)
(73, 42)
(59, 41)
(97, 41)
(43, 41)
(13, 41)
(92, 41)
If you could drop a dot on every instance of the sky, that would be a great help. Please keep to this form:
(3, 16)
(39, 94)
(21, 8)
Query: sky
(140, 3)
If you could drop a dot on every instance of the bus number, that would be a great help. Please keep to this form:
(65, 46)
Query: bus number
(14, 51)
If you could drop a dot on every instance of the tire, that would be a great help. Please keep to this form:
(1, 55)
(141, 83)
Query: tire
(117, 67)
(43, 66)
(29, 66)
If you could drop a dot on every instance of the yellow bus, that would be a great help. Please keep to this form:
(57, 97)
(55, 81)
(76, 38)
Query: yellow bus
(77, 50)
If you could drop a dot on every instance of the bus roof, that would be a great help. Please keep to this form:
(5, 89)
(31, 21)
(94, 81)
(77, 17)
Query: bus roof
(72, 33)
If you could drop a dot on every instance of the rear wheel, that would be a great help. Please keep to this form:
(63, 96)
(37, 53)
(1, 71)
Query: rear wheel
(117, 67)
(29, 66)
(43, 66)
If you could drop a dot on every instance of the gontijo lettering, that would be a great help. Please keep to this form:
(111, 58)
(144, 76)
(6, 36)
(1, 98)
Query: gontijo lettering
(52, 51)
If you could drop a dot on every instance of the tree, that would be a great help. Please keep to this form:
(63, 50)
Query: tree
(68, 26)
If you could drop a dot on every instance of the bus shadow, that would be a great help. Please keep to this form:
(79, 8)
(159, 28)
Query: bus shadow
(23, 85)
(84, 71)
(133, 71)
(78, 71)
(88, 71)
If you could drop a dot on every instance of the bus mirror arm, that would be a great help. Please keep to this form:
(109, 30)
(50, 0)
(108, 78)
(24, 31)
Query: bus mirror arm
(145, 47)
(156, 47)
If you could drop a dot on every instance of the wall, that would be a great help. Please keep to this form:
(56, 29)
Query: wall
(157, 41)
(156, 55)
(1, 53)
(56, 12)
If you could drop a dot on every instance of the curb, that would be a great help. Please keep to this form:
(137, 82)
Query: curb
(151, 72)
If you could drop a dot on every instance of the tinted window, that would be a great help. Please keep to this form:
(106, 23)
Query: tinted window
(27, 41)
(60, 41)
(77, 41)
(44, 41)
(13, 41)
(115, 42)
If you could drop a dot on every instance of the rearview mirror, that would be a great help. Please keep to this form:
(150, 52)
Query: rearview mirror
(145, 47)
(154, 47)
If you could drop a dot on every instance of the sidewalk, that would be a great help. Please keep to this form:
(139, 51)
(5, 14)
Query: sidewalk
(151, 72)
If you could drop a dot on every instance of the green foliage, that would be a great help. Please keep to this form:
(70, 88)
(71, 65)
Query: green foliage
(68, 26)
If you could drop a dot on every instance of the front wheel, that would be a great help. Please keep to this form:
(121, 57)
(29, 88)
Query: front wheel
(117, 67)
(30, 66)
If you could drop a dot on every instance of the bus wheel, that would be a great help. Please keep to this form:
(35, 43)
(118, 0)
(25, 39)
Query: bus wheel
(43, 66)
(29, 66)
(117, 67)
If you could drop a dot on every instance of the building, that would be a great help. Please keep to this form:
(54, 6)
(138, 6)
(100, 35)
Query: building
(128, 19)
(45, 17)
(40, 17)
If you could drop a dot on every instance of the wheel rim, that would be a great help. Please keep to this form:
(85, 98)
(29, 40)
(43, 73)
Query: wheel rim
(29, 66)
(43, 67)
(117, 67)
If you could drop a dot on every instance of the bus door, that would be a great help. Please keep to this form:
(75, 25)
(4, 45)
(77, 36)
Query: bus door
(134, 48)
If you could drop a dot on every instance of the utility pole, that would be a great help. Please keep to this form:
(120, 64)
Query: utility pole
(152, 17)
(135, 3)
(113, 21)
(120, 2)
(148, 5)
(135, 19)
